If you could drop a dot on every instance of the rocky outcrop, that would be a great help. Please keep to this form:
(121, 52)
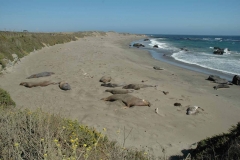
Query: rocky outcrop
(138, 45)
(219, 51)
(155, 46)
(236, 80)
(146, 39)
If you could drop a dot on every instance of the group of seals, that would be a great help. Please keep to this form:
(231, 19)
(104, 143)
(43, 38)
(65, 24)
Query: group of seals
(122, 94)
(62, 85)
(128, 100)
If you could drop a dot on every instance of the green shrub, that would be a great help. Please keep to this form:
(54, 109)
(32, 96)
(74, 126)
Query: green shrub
(5, 99)
(222, 146)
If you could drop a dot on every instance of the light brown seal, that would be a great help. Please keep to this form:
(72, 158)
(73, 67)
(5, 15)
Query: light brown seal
(193, 110)
(42, 74)
(119, 91)
(36, 84)
(64, 86)
(128, 100)
(105, 79)
(113, 85)
(137, 86)
(221, 86)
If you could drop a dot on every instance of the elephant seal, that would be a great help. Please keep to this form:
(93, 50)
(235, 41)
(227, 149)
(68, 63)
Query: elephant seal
(118, 91)
(128, 100)
(137, 86)
(113, 85)
(105, 79)
(64, 86)
(192, 110)
(36, 84)
(221, 86)
(157, 68)
(42, 74)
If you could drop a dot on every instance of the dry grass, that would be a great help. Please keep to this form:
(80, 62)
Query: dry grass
(38, 135)
(22, 43)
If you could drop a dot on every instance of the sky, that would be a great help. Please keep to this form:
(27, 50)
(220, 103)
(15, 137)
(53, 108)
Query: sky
(192, 17)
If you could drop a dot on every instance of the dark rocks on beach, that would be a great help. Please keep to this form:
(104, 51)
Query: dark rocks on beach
(155, 46)
(177, 104)
(138, 45)
(236, 80)
(146, 39)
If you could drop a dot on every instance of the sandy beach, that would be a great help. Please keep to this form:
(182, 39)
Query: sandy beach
(83, 62)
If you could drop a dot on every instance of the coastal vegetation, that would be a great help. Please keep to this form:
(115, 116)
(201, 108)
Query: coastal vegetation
(222, 146)
(22, 43)
(27, 134)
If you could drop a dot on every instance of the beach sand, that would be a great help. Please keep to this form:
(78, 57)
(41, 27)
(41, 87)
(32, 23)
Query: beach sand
(83, 62)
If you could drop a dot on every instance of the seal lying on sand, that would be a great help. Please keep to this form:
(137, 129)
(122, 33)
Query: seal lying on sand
(112, 85)
(137, 86)
(105, 79)
(192, 110)
(42, 74)
(118, 91)
(221, 86)
(64, 86)
(35, 84)
(157, 68)
(128, 100)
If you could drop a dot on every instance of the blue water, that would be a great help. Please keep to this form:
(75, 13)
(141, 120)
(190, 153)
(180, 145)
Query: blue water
(200, 50)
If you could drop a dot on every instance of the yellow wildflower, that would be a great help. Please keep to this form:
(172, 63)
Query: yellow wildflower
(45, 155)
(104, 129)
(84, 145)
(55, 140)
(16, 144)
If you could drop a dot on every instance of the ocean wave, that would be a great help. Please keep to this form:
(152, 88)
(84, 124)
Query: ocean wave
(205, 60)
(160, 45)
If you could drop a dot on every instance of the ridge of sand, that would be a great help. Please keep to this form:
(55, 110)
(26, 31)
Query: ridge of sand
(82, 63)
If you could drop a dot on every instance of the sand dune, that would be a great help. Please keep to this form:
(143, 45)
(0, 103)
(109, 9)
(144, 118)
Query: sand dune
(82, 63)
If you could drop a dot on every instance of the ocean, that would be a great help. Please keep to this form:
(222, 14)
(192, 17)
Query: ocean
(197, 50)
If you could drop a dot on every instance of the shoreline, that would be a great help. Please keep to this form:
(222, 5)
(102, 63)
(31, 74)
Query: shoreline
(166, 56)
(83, 62)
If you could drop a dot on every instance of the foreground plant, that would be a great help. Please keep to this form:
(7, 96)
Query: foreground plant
(37, 135)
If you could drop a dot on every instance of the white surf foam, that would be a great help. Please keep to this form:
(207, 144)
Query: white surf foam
(214, 62)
